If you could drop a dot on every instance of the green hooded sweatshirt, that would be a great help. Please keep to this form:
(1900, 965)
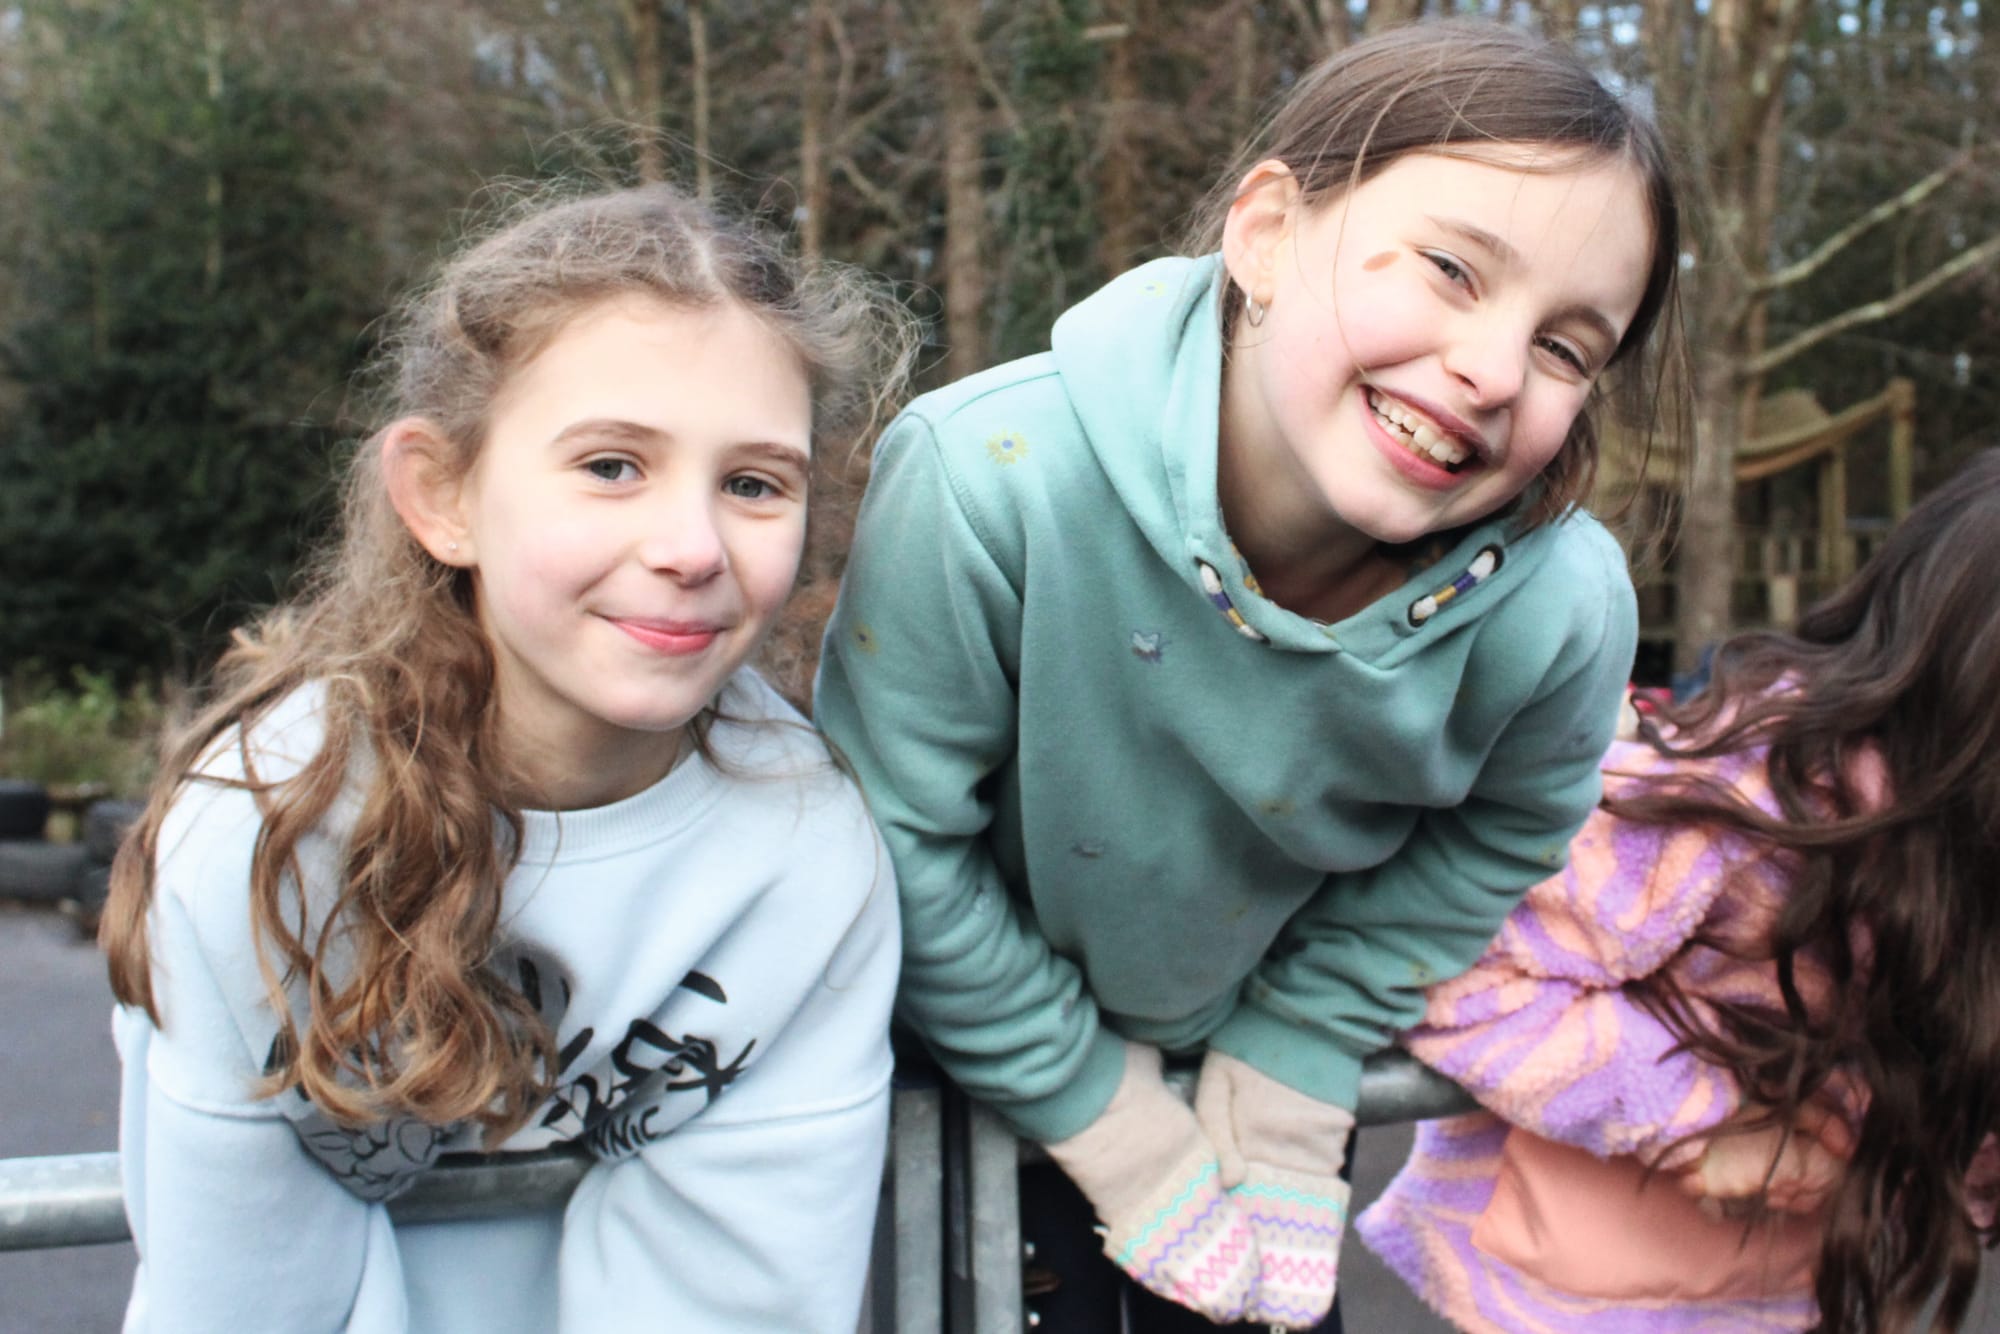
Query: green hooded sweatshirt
(1126, 794)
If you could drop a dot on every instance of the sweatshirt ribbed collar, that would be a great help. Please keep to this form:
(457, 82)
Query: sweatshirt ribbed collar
(656, 813)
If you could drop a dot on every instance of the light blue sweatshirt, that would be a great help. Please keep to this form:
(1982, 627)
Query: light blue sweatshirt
(716, 955)
(1125, 793)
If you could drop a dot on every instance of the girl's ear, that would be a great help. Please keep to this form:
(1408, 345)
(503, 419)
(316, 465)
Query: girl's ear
(1259, 220)
(427, 492)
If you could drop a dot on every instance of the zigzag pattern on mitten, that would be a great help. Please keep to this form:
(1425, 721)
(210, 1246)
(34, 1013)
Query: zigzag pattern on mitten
(1297, 1221)
(1190, 1244)
(1294, 1271)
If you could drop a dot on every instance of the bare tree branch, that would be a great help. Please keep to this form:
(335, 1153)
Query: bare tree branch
(852, 129)
(1004, 104)
(884, 200)
(1875, 310)
(1853, 231)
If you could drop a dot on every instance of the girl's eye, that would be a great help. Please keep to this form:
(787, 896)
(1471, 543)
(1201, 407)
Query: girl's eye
(1454, 272)
(748, 487)
(611, 469)
(1567, 354)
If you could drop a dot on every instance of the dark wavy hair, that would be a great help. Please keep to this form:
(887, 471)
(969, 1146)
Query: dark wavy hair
(1895, 899)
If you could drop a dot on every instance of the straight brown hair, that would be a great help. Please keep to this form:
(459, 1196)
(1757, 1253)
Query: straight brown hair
(1459, 86)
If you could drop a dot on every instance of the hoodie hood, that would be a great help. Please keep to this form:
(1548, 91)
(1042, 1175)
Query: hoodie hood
(1141, 363)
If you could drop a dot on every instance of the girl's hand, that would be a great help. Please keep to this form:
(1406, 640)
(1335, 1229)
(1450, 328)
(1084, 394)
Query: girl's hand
(1151, 1174)
(1281, 1153)
(1769, 1168)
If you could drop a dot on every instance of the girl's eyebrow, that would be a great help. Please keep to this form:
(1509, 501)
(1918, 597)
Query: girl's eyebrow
(1479, 236)
(780, 454)
(612, 428)
(1498, 247)
(618, 430)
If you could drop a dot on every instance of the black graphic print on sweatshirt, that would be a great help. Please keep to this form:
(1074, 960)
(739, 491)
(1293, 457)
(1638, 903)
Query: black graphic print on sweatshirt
(650, 1082)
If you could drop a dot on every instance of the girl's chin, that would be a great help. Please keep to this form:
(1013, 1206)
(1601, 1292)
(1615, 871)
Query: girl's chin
(1390, 528)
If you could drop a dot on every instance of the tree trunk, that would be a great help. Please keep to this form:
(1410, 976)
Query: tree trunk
(1707, 545)
(812, 134)
(964, 193)
(1666, 63)
(1559, 19)
(1386, 14)
(1120, 239)
(704, 187)
(642, 22)
(1336, 28)
(1735, 123)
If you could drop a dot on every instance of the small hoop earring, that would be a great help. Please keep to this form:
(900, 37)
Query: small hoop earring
(1254, 311)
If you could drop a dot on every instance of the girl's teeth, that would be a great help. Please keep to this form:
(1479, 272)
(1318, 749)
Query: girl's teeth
(1420, 434)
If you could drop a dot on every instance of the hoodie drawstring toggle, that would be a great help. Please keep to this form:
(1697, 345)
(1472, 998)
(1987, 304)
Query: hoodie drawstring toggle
(1483, 565)
(1211, 584)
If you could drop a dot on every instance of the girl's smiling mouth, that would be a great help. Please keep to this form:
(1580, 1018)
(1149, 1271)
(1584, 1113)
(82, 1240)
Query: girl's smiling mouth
(1451, 447)
(670, 637)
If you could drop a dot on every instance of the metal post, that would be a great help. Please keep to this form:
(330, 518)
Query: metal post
(994, 1218)
(916, 1195)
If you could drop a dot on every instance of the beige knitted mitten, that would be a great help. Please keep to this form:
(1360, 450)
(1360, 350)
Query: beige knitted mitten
(1152, 1176)
(1280, 1152)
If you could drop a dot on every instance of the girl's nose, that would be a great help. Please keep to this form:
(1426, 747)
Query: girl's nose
(683, 541)
(1491, 363)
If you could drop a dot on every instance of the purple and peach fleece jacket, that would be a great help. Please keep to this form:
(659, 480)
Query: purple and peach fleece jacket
(1543, 1032)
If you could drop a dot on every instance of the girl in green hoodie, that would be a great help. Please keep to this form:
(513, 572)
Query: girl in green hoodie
(1222, 676)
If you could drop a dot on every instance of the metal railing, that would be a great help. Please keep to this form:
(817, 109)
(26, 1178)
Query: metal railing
(947, 1242)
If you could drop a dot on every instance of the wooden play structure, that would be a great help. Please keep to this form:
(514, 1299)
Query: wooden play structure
(1798, 538)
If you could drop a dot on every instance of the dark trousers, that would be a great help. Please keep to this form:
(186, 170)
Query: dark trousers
(1074, 1289)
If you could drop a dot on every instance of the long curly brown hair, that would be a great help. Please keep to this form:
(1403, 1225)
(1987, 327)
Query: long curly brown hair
(1893, 895)
(413, 1023)
(1456, 86)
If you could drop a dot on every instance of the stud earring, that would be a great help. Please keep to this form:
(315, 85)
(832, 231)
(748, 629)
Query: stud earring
(1254, 311)
(452, 547)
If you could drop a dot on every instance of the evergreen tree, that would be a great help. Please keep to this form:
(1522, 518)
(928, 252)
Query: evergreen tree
(186, 315)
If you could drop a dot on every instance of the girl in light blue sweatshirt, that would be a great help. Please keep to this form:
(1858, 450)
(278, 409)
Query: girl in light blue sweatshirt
(492, 840)
(1221, 676)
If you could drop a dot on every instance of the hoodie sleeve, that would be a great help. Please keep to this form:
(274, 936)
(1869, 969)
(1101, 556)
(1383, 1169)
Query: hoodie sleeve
(1542, 1029)
(916, 687)
(1546, 1030)
(1351, 968)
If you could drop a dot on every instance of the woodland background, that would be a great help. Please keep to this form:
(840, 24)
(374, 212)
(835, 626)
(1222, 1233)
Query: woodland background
(206, 204)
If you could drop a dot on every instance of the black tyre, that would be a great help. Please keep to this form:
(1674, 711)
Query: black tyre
(104, 827)
(32, 869)
(92, 888)
(24, 808)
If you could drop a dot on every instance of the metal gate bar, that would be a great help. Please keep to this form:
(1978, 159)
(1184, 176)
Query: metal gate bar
(947, 1253)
